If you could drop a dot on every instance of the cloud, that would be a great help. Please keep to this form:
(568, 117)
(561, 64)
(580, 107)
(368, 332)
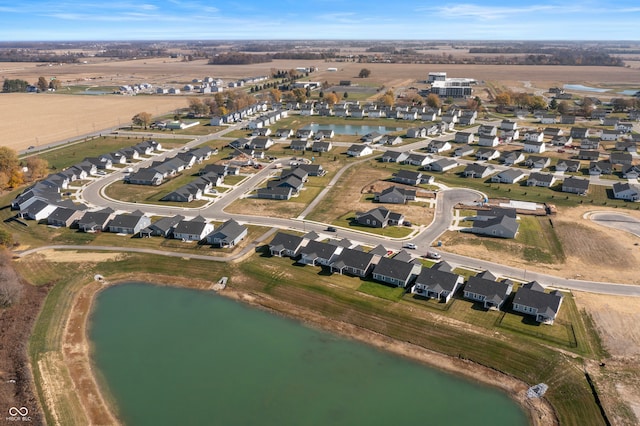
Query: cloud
(485, 12)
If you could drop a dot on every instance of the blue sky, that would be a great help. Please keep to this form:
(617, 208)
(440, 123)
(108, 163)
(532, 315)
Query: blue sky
(319, 19)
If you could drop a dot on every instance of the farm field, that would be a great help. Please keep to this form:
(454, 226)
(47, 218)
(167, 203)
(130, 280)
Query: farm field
(55, 117)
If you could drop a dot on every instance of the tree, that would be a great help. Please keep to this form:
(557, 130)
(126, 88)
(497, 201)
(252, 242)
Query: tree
(434, 101)
(587, 107)
(142, 119)
(10, 170)
(553, 104)
(197, 107)
(364, 73)
(55, 84)
(10, 286)
(331, 98)
(38, 167)
(42, 84)
(16, 85)
(564, 107)
(388, 99)
(276, 95)
(346, 95)
(299, 94)
(537, 102)
(503, 100)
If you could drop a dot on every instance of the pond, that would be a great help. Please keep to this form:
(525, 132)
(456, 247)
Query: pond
(584, 88)
(176, 356)
(349, 129)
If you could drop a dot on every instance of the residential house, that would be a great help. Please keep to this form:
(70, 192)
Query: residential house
(575, 185)
(162, 227)
(95, 221)
(463, 151)
(492, 294)
(588, 155)
(321, 146)
(508, 125)
(511, 158)
(534, 146)
(64, 217)
(627, 146)
(580, 132)
(597, 168)
(275, 193)
(631, 172)
(319, 253)
(610, 135)
(390, 140)
(304, 134)
(437, 284)
(408, 177)
(477, 170)
(624, 191)
(533, 137)
(359, 150)
(549, 119)
(552, 132)
(590, 143)
(354, 262)
(192, 230)
(541, 179)
(261, 143)
(464, 137)
(395, 195)
(313, 169)
(502, 227)
(442, 165)
(486, 140)
(624, 127)
(300, 144)
(623, 158)
(379, 217)
(567, 166)
(284, 133)
(227, 235)
(508, 136)
(487, 154)
(395, 272)
(417, 132)
(536, 162)
(416, 159)
(284, 244)
(436, 147)
(37, 210)
(561, 141)
(373, 137)
(394, 157)
(508, 176)
(568, 119)
(531, 299)
(487, 130)
(129, 223)
(324, 134)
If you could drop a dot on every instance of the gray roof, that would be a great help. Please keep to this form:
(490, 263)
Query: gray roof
(283, 241)
(497, 211)
(228, 231)
(408, 174)
(532, 294)
(126, 220)
(394, 268)
(577, 183)
(493, 290)
(379, 250)
(354, 259)
(194, 226)
(508, 223)
(165, 224)
(437, 280)
(318, 249)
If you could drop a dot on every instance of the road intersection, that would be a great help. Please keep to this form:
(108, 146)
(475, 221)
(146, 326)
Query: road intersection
(94, 196)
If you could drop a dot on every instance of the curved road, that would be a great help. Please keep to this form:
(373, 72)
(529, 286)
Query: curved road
(93, 194)
(617, 221)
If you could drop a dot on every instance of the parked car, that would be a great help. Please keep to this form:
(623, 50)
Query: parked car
(433, 255)
(406, 223)
(409, 246)
(331, 229)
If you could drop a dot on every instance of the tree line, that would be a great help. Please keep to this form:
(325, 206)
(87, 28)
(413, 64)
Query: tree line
(18, 85)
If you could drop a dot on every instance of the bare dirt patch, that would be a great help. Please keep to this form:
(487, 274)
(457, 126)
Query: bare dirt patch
(617, 320)
(592, 251)
(76, 256)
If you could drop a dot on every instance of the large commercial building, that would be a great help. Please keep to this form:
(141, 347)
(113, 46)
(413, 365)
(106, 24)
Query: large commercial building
(450, 87)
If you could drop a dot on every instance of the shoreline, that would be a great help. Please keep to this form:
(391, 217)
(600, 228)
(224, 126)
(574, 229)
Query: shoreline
(99, 407)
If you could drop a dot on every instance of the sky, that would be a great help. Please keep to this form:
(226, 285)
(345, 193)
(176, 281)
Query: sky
(66, 20)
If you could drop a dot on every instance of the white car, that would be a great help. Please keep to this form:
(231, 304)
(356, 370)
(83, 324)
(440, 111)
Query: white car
(433, 255)
(409, 246)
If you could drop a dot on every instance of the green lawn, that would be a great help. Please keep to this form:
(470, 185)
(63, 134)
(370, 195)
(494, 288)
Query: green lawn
(381, 290)
(63, 157)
